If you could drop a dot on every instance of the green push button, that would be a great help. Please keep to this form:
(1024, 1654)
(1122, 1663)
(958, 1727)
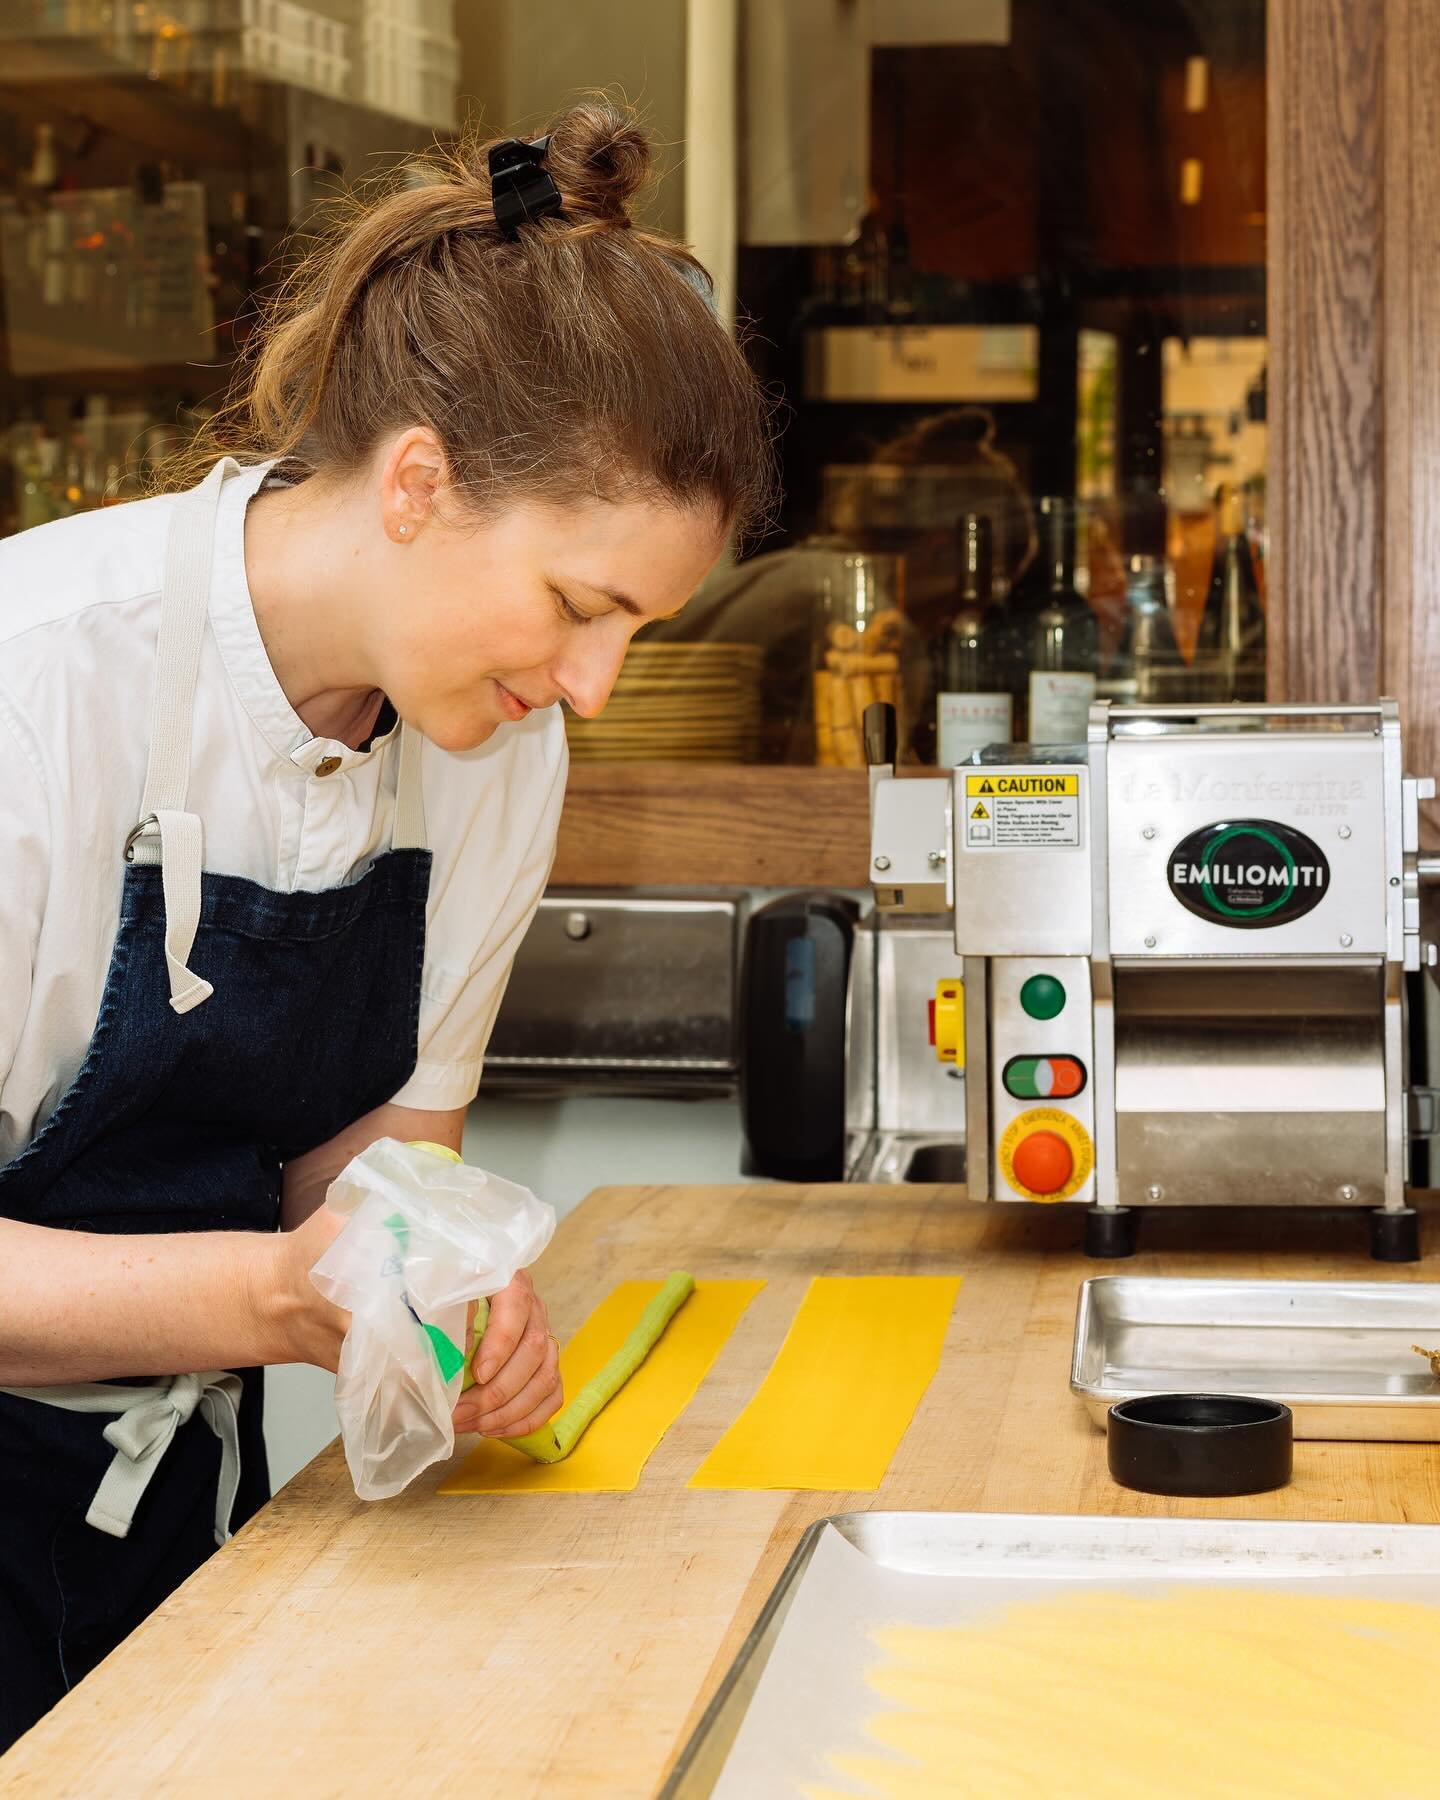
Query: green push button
(1022, 1078)
(1042, 997)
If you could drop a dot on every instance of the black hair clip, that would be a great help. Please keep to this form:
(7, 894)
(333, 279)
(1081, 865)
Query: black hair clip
(521, 187)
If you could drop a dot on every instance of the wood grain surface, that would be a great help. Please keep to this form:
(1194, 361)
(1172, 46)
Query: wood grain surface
(1412, 381)
(1326, 278)
(562, 1645)
(686, 824)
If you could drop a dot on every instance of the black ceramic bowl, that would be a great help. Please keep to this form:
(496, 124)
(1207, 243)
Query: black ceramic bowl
(1201, 1445)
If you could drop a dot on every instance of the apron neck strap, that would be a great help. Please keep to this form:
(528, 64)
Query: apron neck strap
(408, 830)
(184, 609)
(167, 833)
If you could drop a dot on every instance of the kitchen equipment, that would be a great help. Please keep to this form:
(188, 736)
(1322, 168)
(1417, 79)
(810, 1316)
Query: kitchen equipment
(904, 1107)
(792, 1035)
(1200, 1446)
(789, 1703)
(1185, 946)
(1337, 1353)
(632, 990)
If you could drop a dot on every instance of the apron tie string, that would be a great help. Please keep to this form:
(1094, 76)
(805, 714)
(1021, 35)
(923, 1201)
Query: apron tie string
(148, 1419)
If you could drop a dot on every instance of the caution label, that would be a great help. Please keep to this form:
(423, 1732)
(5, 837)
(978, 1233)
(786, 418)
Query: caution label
(1036, 810)
(1028, 785)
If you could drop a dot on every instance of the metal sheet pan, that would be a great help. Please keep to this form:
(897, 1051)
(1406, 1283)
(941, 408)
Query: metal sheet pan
(1338, 1353)
(986, 1547)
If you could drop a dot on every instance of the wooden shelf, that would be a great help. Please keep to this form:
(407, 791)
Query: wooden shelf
(73, 75)
(110, 377)
(713, 825)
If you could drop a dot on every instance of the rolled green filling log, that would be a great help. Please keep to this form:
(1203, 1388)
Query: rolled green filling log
(477, 1331)
(554, 1441)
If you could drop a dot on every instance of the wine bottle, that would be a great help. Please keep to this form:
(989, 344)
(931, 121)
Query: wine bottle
(972, 706)
(1231, 644)
(1147, 652)
(1064, 637)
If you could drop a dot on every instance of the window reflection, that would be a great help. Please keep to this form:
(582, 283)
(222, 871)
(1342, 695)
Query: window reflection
(1001, 261)
(1006, 262)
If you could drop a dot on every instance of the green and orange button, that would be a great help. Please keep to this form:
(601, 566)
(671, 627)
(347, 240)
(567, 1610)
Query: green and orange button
(1044, 1077)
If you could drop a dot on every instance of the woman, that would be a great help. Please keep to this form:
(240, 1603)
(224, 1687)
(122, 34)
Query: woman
(281, 760)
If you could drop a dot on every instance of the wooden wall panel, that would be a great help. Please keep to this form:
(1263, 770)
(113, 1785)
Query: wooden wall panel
(1411, 494)
(1327, 238)
(697, 824)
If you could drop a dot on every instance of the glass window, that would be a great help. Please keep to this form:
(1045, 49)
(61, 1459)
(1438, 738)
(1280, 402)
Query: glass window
(1006, 261)
(1001, 262)
(154, 155)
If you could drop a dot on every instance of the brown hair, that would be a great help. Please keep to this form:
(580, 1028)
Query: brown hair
(583, 358)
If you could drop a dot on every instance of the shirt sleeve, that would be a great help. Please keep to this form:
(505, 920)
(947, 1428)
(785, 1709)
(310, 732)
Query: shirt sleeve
(484, 894)
(25, 833)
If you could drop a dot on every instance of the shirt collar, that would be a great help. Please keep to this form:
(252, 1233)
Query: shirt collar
(232, 619)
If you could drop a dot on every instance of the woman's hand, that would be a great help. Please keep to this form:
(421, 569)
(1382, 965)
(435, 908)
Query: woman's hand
(311, 1328)
(517, 1367)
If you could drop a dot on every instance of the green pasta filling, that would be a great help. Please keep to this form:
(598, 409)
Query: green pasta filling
(554, 1441)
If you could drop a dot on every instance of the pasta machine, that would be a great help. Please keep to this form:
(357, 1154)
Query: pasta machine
(1174, 966)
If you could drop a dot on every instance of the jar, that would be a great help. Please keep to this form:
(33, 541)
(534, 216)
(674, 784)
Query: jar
(859, 629)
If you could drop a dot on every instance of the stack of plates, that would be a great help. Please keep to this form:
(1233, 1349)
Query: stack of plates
(677, 703)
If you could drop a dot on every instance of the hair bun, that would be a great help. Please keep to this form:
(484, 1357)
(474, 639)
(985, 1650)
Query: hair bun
(600, 159)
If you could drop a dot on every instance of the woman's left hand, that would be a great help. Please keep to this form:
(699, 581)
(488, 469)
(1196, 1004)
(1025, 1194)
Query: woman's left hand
(517, 1367)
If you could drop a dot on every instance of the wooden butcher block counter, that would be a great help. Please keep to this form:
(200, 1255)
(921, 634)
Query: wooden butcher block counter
(562, 1644)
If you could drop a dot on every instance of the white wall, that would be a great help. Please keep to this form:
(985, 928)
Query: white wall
(523, 60)
(562, 1149)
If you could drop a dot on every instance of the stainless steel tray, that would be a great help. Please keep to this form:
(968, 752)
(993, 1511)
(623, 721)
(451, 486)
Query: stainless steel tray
(1037, 1548)
(1338, 1353)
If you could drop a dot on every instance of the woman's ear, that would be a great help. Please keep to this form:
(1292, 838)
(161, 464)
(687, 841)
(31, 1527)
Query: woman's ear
(412, 474)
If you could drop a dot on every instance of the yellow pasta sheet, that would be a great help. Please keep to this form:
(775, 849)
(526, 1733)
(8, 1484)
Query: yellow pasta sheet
(841, 1393)
(1220, 1693)
(618, 1444)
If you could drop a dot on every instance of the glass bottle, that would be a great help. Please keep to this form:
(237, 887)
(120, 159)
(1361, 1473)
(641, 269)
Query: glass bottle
(973, 707)
(1147, 657)
(1063, 651)
(1231, 644)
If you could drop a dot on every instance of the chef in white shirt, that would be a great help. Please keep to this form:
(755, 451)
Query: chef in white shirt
(281, 764)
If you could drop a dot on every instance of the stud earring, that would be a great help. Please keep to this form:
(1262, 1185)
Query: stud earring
(402, 529)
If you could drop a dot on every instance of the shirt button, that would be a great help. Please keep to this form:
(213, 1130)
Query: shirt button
(327, 765)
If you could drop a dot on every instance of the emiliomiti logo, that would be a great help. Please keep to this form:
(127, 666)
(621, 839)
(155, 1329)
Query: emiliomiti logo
(1248, 873)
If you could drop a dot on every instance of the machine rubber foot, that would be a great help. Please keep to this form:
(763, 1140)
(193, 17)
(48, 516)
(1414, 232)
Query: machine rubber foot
(1111, 1231)
(1395, 1235)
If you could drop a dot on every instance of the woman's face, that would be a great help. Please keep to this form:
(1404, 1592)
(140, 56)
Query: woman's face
(496, 620)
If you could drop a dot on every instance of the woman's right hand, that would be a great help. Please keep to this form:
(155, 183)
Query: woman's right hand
(311, 1328)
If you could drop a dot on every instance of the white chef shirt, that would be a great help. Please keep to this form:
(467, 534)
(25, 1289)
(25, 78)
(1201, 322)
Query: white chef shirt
(79, 614)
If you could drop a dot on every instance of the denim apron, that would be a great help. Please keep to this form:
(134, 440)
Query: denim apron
(239, 1027)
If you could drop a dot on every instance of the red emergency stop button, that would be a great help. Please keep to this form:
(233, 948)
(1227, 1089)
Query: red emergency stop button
(1043, 1162)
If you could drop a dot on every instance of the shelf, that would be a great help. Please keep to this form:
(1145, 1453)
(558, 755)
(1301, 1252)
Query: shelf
(713, 825)
(74, 76)
(114, 376)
